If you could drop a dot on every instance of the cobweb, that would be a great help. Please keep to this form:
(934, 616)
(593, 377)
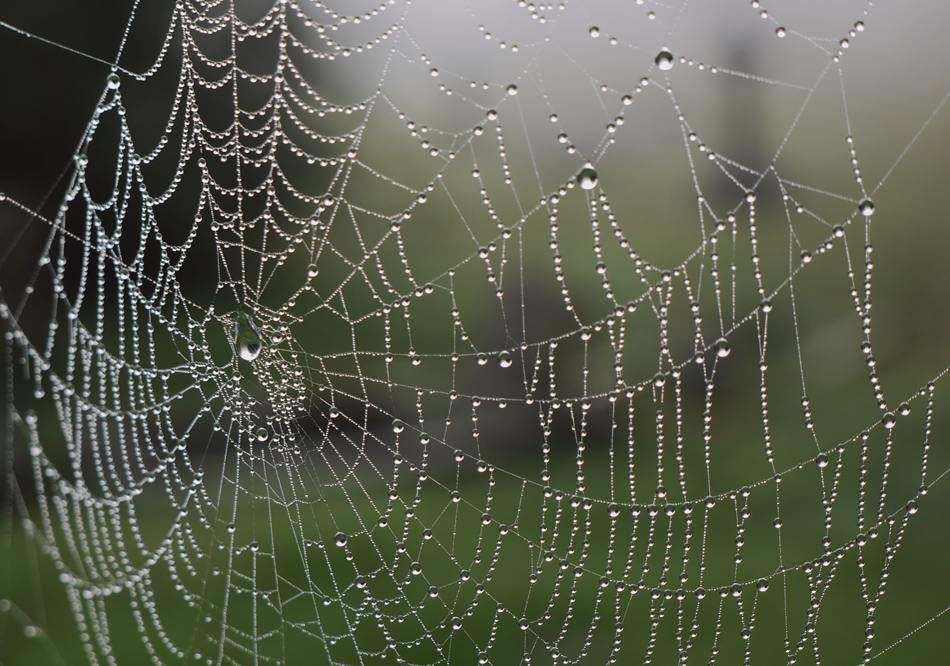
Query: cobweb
(496, 332)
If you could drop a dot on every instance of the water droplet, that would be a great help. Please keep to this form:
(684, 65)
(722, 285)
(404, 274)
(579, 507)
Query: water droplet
(806, 257)
(247, 337)
(433, 591)
(415, 568)
(822, 459)
(664, 60)
(587, 178)
(904, 409)
(339, 539)
(512, 89)
(723, 348)
(889, 420)
(766, 305)
(505, 359)
(486, 519)
(866, 207)
(594, 32)
(780, 31)
(456, 623)
(262, 434)
(659, 379)
(911, 507)
(113, 81)
(313, 270)
(762, 585)
(398, 426)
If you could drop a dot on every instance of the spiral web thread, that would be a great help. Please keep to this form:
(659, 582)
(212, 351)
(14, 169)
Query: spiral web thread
(543, 372)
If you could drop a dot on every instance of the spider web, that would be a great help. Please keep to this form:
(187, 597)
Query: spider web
(442, 332)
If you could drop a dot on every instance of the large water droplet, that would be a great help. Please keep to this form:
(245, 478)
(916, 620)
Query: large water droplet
(664, 60)
(339, 539)
(512, 89)
(594, 32)
(866, 207)
(313, 270)
(587, 178)
(247, 337)
(722, 348)
(113, 81)
(505, 359)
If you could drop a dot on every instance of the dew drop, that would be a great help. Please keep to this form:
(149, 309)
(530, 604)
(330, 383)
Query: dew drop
(262, 435)
(339, 539)
(594, 32)
(113, 81)
(911, 507)
(664, 60)
(766, 305)
(822, 459)
(587, 178)
(889, 420)
(398, 426)
(505, 359)
(762, 585)
(512, 89)
(866, 207)
(780, 32)
(722, 348)
(313, 270)
(904, 408)
(247, 337)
